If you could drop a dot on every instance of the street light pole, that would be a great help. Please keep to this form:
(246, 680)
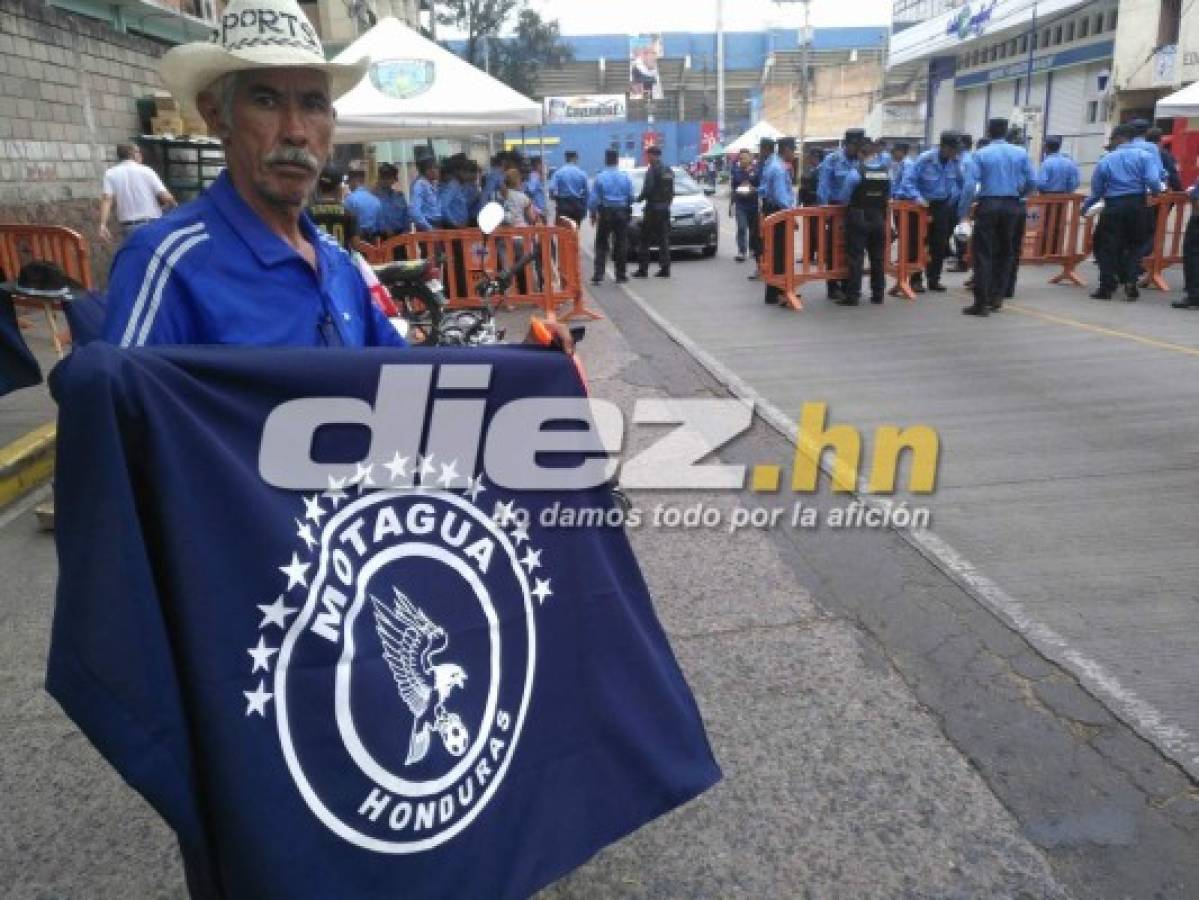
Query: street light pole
(805, 44)
(720, 70)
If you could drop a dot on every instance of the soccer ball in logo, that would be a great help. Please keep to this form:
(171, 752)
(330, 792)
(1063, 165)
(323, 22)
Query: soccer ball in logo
(454, 735)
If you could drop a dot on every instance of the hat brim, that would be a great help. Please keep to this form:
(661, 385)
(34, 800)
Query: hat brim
(187, 70)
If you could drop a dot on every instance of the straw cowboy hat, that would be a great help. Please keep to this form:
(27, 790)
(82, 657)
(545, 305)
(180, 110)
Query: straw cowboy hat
(254, 34)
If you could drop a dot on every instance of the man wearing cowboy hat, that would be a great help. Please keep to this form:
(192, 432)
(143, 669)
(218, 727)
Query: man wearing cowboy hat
(243, 263)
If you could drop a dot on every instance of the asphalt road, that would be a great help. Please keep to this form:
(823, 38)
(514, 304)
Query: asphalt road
(882, 731)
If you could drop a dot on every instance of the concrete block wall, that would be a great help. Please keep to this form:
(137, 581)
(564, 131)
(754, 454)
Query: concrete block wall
(68, 86)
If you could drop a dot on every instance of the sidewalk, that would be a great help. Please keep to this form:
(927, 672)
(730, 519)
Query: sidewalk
(27, 421)
(838, 782)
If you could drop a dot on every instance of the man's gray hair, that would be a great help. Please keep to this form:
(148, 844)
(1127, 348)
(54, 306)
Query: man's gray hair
(224, 91)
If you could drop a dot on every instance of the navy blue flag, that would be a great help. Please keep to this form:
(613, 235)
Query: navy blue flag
(18, 365)
(402, 685)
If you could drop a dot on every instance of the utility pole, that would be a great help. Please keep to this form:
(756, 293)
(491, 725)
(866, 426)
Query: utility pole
(805, 45)
(720, 70)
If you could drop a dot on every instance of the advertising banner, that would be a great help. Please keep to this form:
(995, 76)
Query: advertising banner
(590, 108)
(709, 137)
(644, 52)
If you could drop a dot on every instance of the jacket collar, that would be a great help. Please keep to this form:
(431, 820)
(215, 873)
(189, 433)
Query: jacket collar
(268, 248)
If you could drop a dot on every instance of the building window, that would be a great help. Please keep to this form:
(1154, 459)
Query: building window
(1044, 39)
(1057, 36)
(1069, 32)
(1001, 51)
(1098, 23)
(1092, 112)
(1168, 24)
(1113, 18)
(994, 53)
(1084, 28)
(1011, 47)
(1024, 44)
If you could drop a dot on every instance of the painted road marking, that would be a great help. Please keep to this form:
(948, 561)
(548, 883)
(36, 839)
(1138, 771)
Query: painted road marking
(1175, 742)
(1102, 329)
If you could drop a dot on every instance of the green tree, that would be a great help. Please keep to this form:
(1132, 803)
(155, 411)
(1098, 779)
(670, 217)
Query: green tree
(536, 44)
(479, 20)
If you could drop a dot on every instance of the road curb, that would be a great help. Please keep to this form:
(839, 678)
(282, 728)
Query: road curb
(27, 463)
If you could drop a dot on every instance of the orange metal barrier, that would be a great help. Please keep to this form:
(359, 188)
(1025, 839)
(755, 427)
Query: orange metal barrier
(1172, 213)
(553, 279)
(67, 249)
(821, 255)
(901, 217)
(815, 250)
(1051, 235)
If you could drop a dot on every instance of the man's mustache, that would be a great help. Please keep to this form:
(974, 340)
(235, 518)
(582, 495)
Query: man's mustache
(295, 156)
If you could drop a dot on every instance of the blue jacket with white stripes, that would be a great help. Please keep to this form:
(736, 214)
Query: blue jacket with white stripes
(211, 272)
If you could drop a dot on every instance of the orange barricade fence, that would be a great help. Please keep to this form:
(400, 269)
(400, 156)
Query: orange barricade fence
(553, 279)
(1173, 209)
(1053, 226)
(21, 244)
(819, 234)
(814, 248)
(906, 248)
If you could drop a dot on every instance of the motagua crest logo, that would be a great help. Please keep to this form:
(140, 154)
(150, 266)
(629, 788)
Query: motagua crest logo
(398, 662)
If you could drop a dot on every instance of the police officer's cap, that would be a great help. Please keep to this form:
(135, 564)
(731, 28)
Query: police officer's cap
(950, 139)
(901, 145)
(387, 170)
(786, 143)
(855, 135)
(654, 151)
(572, 154)
(766, 144)
(1139, 126)
(330, 178)
(1127, 130)
(997, 127)
(611, 157)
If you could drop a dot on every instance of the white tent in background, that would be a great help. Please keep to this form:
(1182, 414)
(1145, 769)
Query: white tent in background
(751, 138)
(418, 89)
(1182, 105)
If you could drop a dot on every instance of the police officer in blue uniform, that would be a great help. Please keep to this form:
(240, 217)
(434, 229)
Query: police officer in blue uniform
(657, 193)
(777, 194)
(610, 207)
(1001, 175)
(1140, 132)
(1190, 255)
(865, 229)
(568, 187)
(1121, 180)
(965, 166)
(935, 181)
(1059, 173)
(839, 175)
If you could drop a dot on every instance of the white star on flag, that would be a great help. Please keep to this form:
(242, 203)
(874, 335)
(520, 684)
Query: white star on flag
(531, 560)
(295, 572)
(425, 464)
(398, 467)
(362, 476)
(313, 511)
(542, 590)
(262, 655)
(520, 533)
(256, 701)
(335, 494)
(449, 472)
(276, 613)
(474, 487)
(304, 533)
(503, 513)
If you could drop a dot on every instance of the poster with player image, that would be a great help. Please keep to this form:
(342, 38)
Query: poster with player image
(644, 52)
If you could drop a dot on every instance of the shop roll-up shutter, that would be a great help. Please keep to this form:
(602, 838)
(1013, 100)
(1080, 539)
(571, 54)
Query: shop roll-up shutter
(943, 108)
(975, 119)
(1067, 101)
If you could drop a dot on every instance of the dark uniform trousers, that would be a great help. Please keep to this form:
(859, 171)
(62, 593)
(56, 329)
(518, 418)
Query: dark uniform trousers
(1118, 240)
(655, 229)
(572, 208)
(942, 215)
(1144, 246)
(778, 264)
(865, 233)
(1017, 250)
(612, 230)
(995, 226)
(1190, 258)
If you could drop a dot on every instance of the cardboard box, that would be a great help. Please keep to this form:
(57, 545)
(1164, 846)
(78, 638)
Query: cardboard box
(166, 125)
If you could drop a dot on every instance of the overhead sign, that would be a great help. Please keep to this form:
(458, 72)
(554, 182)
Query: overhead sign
(592, 108)
(971, 21)
(1012, 71)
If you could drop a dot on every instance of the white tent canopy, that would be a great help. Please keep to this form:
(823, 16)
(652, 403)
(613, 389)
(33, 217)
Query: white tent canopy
(751, 138)
(1182, 105)
(417, 89)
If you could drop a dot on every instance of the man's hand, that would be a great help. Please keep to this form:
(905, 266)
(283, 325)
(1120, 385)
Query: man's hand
(550, 334)
(105, 234)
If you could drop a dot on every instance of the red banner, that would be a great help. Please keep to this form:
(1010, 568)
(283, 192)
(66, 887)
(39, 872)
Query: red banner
(709, 136)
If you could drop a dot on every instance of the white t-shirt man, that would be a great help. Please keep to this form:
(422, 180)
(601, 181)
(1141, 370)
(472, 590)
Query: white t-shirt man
(137, 192)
